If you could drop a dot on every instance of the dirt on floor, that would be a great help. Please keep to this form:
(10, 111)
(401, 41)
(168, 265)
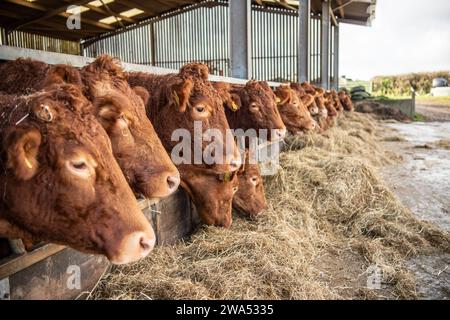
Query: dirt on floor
(422, 182)
(433, 112)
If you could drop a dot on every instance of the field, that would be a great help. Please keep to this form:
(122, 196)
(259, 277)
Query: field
(331, 222)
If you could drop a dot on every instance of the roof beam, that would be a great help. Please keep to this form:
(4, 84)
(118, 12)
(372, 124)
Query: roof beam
(104, 12)
(58, 11)
(342, 6)
(132, 5)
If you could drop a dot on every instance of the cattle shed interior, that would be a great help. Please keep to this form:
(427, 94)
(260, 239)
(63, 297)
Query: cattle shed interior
(272, 40)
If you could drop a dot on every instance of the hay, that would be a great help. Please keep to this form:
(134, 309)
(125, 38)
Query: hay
(329, 218)
(443, 144)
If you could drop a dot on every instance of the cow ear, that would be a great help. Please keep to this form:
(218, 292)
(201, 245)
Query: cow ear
(23, 147)
(235, 102)
(307, 100)
(142, 93)
(285, 96)
(180, 94)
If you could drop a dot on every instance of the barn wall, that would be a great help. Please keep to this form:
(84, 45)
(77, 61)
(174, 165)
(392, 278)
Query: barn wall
(202, 34)
(33, 41)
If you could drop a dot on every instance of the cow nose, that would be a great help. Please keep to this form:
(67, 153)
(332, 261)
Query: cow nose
(134, 247)
(173, 182)
(280, 133)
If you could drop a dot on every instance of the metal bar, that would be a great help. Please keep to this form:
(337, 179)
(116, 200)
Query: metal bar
(304, 16)
(325, 48)
(240, 35)
(336, 57)
(153, 44)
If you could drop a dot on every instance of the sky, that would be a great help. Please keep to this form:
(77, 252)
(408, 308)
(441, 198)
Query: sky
(406, 36)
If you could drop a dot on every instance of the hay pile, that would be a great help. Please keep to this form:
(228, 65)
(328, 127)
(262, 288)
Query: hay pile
(329, 218)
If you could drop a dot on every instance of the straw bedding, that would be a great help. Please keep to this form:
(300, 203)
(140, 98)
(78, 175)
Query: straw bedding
(330, 217)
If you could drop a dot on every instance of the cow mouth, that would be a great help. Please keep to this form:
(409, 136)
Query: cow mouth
(246, 212)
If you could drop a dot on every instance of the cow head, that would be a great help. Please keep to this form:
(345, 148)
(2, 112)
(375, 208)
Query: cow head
(308, 99)
(330, 104)
(254, 106)
(61, 182)
(293, 112)
(186, 101)
(346, 101)
(250, 199)
(212, 193)
(136, 146)
(337, 102)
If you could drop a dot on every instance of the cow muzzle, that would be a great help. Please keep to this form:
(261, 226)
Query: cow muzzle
(133, 247)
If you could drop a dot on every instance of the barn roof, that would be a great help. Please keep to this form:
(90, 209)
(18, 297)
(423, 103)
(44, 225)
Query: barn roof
(49, 17)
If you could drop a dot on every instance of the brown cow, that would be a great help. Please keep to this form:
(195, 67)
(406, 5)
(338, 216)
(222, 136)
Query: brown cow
(307, 98)
(337, 102)
(119, 109)
(295, 115)
(346, 101)
(321, 117)
(250, 198)
(177, 100)
(252, 106)
(60, 182)
(331, 110)
(211, 192)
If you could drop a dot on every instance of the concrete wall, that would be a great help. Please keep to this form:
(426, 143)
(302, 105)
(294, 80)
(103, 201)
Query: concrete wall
(441, 92)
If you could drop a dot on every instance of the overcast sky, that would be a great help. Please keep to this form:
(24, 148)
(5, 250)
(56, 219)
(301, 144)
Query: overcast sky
(406, 36)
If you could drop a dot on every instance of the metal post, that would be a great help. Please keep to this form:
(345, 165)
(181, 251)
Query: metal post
(325, 51)
(240, 38)
(81, 46)
(304, 20)
(5, 34)
(336, 58)
(153, 43)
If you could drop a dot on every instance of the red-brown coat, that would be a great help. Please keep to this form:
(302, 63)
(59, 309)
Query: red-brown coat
(119, 109)
(60, 182)
(295, 115)
(346, 101)
(177, 100)
(250, 199)
(252, 106)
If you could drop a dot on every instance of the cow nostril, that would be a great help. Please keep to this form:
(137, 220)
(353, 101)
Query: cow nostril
(173, 182)
(281, 133)
(146, 244)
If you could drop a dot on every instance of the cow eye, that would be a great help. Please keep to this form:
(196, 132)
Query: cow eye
(200, 108)
(254, 106)
(79, 167)
(254, 180)
(235, 189)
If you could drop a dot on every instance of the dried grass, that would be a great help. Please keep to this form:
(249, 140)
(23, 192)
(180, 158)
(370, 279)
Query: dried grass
(326, 199)
(443, 144)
